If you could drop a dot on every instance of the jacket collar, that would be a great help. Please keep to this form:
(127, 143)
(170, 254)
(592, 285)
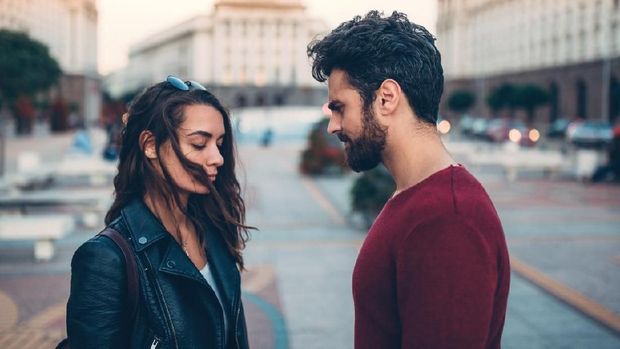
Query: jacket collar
(144, 228)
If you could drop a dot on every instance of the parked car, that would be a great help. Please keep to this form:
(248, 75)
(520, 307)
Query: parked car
(466, 123)
(557, 129)
(589, 134)
(502, 130)
(479, 127)
(498, 129)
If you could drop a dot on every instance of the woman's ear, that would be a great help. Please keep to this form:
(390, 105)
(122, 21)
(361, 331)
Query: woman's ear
(147, 143)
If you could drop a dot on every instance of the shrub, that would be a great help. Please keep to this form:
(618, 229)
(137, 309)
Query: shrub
(370, 192)
(324, 153)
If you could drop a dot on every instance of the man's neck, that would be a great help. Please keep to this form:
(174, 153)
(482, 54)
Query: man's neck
(414, 155)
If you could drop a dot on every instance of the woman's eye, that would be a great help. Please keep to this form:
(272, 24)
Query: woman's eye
(198, 146)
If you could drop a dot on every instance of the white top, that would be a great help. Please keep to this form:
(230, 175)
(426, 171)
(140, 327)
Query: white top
(206, 273)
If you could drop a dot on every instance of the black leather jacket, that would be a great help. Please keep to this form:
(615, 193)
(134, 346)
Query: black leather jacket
(177, 307)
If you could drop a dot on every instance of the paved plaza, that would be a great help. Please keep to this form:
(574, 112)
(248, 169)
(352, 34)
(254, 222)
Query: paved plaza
(563, 236)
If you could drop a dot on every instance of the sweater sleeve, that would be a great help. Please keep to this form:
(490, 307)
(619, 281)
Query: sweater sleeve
(446, 280)
(95, 310)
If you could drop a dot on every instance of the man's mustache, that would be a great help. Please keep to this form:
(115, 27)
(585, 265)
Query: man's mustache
(342, 137)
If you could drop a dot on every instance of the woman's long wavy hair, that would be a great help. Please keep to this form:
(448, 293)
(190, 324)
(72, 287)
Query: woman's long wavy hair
(160, 110)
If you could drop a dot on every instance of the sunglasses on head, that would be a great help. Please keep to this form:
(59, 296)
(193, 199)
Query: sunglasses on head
(184, 85)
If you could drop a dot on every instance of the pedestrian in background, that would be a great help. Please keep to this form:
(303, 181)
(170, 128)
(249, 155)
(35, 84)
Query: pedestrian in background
(433, 271)
(178, 205)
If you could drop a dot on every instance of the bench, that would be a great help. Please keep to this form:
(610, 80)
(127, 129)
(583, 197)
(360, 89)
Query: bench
(89, 204)
(550, 162)
(44, 230)
(98, 171)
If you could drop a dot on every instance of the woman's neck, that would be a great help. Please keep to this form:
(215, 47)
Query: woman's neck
(171, 216)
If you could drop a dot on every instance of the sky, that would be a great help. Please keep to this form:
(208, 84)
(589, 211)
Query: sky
(125, 22)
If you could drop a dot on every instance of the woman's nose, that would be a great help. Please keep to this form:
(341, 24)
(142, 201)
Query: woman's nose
(215, 158)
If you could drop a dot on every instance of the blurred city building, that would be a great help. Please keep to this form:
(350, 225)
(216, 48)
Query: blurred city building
(250, 52)
(69, 29)
(571, 48)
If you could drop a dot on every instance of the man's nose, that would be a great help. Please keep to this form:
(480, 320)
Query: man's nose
(334, 125)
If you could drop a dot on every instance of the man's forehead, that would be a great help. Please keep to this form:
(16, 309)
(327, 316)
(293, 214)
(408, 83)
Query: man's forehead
(338, 84)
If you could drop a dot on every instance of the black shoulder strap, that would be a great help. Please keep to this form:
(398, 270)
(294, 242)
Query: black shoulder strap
(133, 281)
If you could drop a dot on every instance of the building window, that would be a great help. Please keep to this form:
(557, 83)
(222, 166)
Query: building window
(582, 98)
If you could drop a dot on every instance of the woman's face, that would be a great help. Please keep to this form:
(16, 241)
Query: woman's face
(201, 135)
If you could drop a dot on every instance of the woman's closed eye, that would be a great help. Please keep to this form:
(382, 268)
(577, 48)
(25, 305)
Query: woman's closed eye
(199, 146)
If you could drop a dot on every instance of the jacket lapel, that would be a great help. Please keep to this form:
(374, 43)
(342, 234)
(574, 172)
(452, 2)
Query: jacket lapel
(176, 262)
(223, 268)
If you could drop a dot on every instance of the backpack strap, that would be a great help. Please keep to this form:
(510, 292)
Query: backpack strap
(131, 265)
(133, 280)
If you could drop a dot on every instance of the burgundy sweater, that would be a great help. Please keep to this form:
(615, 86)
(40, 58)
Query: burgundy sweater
(433, 271)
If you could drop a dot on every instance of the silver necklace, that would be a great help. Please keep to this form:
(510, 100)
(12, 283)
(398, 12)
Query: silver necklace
(184, 246)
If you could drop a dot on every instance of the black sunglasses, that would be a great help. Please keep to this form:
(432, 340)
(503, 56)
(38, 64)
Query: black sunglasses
(184, 85)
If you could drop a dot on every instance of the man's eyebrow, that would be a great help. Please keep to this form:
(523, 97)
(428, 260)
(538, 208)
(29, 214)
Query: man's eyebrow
(204, 134)
(333, 105)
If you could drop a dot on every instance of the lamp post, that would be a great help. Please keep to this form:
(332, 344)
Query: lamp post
(605, 93)
(2, 142)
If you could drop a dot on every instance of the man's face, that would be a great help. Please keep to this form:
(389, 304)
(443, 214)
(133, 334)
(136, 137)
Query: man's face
(363, 136)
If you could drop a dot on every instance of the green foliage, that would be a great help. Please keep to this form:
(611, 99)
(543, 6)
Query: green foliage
(26, 66)
(461, 101)
(371, 191)
(321, 156)
(529, 97)
(502, 97)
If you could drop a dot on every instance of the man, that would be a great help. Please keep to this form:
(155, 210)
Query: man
(433, 271)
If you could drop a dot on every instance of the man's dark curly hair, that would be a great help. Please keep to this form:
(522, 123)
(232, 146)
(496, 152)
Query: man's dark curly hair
(375, 48)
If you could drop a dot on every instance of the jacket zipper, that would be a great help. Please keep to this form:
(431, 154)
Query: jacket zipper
(164, 305)
(236, 327)
(155, 343)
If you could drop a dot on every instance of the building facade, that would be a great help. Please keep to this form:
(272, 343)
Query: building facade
(69, 29)
(251, 52)
(568, 47)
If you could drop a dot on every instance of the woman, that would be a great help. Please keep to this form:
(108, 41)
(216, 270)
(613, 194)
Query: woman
(178, 204)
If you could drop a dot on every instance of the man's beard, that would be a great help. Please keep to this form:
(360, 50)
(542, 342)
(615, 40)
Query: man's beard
(365, 152)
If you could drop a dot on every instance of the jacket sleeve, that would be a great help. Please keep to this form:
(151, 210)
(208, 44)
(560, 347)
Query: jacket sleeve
(95, 310)
(446, 280)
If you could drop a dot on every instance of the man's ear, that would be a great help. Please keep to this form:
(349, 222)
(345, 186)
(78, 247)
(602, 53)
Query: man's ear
(389, 96)
(147, 143)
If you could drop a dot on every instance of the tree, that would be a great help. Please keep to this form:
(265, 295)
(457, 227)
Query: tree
(501, 98)
(529, 97)
(461, 101)
(26, 68)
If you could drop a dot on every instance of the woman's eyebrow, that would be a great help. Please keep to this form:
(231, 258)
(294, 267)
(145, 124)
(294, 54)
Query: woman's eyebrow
(204, 134)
